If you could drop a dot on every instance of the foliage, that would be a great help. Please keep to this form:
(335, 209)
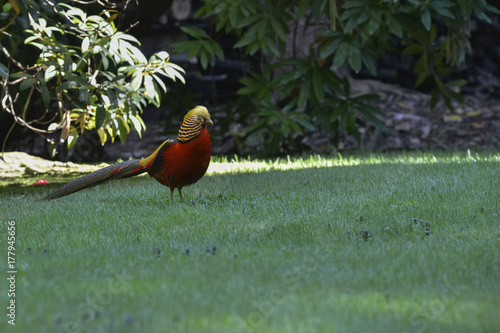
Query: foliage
(88, 74)
(203, 46)
(291, 81)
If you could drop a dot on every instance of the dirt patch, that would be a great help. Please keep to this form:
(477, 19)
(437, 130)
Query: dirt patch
(19, 164)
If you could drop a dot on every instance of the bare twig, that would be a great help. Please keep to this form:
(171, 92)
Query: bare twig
(14, 61)
(7, 25)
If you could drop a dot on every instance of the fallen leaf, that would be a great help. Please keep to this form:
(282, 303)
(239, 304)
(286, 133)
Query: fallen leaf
(452, 117)
(473, 114)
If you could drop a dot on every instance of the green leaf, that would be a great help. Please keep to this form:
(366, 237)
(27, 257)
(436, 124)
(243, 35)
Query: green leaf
(369, 113)
(251, 86)
(413, 49)
(354, 3)
(395, 27)
(192, 48)
(72, 138)
(351, 24)
(338, 59)
(304, 120)
(136, 81)
(355, 61)
(371, 27)
(18, 75)
(347, 87)
(150, 87)
(422, 76)
(339, 111)
(304, 93)
(128, 37)
(246, 39)
(261, 31)
(100, 115)
(331, 79)
(301, 8)
(159, 82)
(443, 90)
(343, 121)
(84, 94)
(123, 129)
(258, 124)
(433, 34)
(255, 135)
(45, 94)
(272, 47)
(369, 62)
(85, 44)
(50, 72)
(441, 7)
(173, 71)
(52, 127)
(135, 124)
(195, 32)
(295, 127)
(27, 83)
(457, 83)
(285, 129)
(253, 47)
(113, 99)
(330, 46)
(103, 137)
(233, 17)
(4, 71)
(456, 96)
(492, 9)
(279, 28)
(248, 21)
(218, 50)
(163, 55)
(204, 59)
(53, 149)
(351, 122)
(317, 84)
(368, 97)
(426, 19)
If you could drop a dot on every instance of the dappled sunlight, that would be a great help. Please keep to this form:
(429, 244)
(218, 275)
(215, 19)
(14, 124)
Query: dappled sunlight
(21, 165)
(221, 165)
(230, 167)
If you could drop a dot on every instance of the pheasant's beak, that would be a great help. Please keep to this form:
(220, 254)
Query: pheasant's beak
(208, 121)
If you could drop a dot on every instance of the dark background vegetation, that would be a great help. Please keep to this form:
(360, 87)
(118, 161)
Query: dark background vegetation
(409, 118)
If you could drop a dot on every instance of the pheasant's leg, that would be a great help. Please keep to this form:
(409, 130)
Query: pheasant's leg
(171, 195)
(180, 193)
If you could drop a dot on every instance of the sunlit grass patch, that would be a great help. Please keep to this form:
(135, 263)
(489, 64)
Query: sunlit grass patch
(235, 164)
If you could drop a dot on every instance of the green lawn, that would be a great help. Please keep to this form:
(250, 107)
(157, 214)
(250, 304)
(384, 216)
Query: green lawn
(405, 242)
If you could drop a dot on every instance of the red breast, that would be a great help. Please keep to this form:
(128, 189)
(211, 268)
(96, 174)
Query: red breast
(184, 163)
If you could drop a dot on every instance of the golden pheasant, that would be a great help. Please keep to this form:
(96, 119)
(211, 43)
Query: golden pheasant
(175, 164)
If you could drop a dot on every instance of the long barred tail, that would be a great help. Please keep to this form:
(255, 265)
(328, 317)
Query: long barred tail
(116, 171)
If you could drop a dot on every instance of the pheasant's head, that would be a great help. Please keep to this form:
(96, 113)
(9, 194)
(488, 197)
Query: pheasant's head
(194, 121)
(201, 113)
